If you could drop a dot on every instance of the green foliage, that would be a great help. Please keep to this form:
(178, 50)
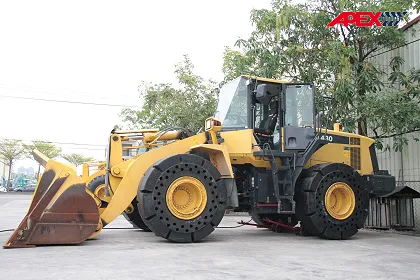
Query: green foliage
(235, 64)
(293, 40)
(47, 148)
(77, 159)
(11, 151)
(163, 105)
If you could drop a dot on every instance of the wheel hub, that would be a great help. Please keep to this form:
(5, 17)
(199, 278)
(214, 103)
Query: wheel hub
(100, 192)
(340, 201)
(186, 198)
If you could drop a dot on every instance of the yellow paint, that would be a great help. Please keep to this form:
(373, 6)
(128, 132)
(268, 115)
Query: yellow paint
(85, 171)
(333, 152)
(67, 171)
(100, 193)
(338, 127)
(241, 147)
(116, 150)
(135, 131)
(266, 79)
(186, 198)
(169, 135)
(340, 201)
(219, 157)
(346, 153)
(127, 188)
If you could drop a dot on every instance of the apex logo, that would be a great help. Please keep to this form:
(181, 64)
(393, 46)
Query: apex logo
(365, 19)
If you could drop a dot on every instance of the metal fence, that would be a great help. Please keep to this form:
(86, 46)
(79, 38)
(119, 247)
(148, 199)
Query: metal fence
(416, 202)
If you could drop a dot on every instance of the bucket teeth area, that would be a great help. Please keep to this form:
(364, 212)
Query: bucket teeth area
(61, 211)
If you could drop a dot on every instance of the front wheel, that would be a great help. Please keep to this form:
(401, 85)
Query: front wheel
(182, 198)
(332, 201)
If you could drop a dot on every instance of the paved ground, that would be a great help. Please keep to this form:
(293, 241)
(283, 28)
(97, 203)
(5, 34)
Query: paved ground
(241, 253)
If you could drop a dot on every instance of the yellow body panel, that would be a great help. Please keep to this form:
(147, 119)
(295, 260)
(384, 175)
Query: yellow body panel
(333, 152)
(266, 79)
(127, 189)
(241, 147)
(219, 157)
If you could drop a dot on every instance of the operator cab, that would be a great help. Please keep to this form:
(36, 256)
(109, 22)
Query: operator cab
(280, 113)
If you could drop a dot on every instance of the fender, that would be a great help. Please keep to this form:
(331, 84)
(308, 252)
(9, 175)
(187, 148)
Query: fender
(219, 157)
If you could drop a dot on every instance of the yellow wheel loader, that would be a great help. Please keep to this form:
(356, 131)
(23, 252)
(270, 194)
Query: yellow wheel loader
(263, 152)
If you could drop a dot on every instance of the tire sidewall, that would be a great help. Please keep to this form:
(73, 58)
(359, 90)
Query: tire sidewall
(311, 208)
(152, 197)
(96, 182)
(323, 190)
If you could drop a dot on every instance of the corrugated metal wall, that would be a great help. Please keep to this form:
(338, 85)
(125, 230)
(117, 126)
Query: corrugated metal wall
(404, 166)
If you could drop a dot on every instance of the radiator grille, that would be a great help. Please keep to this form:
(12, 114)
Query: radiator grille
(354, 141)
(355, 158)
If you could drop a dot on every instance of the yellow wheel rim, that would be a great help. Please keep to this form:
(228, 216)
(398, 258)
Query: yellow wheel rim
(100, 192)
(186, 198)
(340, 201)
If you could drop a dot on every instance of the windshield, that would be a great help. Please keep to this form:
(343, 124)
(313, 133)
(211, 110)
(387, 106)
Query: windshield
(299, 105)
(232, 106)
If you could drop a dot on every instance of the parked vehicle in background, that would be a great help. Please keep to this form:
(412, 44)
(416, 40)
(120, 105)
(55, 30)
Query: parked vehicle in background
(26, 188)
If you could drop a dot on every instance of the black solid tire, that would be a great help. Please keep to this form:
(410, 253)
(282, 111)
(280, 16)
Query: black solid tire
(310, 205)
(152, 198)
(134, 218)
(96, 182)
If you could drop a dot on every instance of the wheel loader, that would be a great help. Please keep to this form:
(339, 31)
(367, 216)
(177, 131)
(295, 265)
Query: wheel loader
(263, 152)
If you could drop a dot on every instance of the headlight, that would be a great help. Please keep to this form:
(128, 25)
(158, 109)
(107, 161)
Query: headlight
(208, 124)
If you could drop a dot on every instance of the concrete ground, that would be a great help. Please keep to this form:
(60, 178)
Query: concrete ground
(238, 253)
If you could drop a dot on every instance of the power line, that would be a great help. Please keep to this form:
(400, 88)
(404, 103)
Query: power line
(88, 149)
(49, 91)
(71, 102)
(395, 48)
(60, 143)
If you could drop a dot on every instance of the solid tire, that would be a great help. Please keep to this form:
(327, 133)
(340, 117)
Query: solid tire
(133, 218)
(152, 198)
(310, 201)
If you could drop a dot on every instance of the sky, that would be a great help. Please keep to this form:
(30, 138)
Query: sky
(99, 52)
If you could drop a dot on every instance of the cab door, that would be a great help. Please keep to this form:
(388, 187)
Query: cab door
(298, 116)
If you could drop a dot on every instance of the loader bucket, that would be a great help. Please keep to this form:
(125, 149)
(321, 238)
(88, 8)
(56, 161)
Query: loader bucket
(61, 211)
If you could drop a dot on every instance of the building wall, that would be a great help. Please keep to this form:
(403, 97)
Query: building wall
(405, 165)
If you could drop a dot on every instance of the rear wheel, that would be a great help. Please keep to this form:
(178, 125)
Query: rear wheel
(97, 187)
(332, 201)
(182, 198)
(134, 217)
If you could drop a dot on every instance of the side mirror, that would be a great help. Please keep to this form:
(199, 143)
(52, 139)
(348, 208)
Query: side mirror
(262, 94)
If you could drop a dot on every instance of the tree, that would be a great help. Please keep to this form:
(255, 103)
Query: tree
(77, 159)
(10, 152)
(294, 40)
(47, 148)
(166, 106)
